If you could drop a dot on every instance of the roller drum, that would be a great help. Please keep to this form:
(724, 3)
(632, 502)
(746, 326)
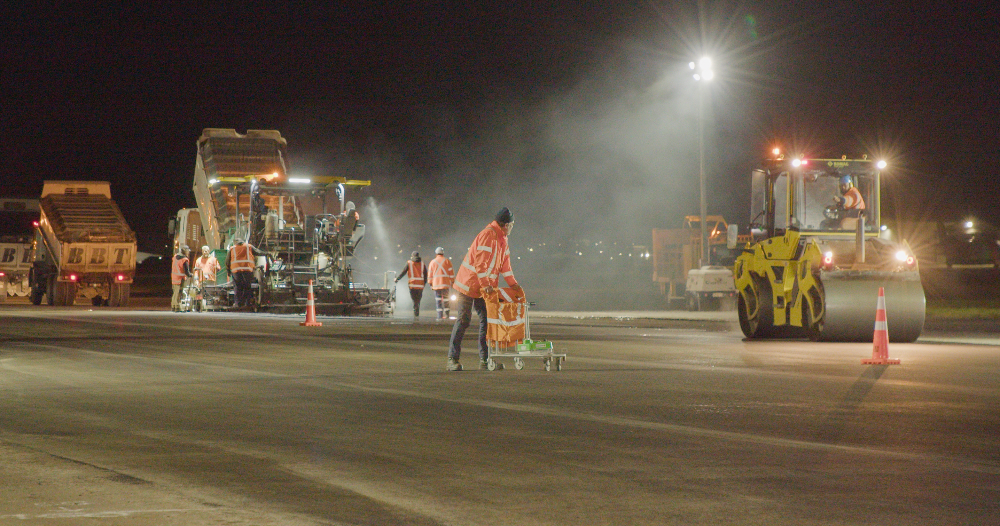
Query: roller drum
(851, 299)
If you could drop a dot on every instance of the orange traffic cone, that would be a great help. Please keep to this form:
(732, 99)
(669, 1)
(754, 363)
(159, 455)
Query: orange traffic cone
(880, 348)
(311, 310)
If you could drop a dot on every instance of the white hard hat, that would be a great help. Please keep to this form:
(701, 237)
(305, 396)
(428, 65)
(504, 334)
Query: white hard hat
(349, 205)
(439, 250)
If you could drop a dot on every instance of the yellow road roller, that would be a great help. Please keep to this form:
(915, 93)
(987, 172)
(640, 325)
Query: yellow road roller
(817, 259)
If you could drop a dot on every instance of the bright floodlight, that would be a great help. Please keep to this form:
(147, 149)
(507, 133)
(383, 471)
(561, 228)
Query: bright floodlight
(901, 255)
(703, 69)
(302, 180)
(776, 151)
(881, 165)
(796, 162)
(969, 224)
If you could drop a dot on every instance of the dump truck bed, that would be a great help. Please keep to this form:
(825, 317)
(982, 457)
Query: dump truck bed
(85, 219)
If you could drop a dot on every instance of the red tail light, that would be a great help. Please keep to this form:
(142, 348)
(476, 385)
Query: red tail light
(73, 277)
(121, 277)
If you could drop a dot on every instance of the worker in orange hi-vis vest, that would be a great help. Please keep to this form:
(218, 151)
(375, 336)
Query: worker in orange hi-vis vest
(206, 268)
(241, 262)
(441, 275)
(180, 270)
(486, 263)
(417, 273)
(851, 199)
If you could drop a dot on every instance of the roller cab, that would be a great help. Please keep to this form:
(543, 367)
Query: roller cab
(816, 259)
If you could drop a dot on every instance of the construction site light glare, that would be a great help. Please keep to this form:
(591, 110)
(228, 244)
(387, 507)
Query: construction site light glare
(969, 224)
(881, 165)
(796, 162)
(212, 181)
(776, 151)
(299, 180)
(902, 255)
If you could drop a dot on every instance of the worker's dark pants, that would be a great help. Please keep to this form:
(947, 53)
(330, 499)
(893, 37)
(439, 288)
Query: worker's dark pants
(464, 316)
(441, 299)
(415, 295)
(242, 281)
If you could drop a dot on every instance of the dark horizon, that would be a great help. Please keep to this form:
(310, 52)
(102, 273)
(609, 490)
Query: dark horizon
(582, 119)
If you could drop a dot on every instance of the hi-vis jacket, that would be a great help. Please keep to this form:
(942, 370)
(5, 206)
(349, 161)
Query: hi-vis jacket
(441, 273)
(487, 261)
(179, 269)
(241, 258)
(206, 268)
(853, 200)
(415, 271)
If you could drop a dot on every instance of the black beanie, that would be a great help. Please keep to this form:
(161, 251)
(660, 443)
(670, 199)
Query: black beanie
(504, 216)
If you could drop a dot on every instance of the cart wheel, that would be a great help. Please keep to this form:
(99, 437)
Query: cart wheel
(559, 362)
(518, 364)
(491, 364)
(547, 363)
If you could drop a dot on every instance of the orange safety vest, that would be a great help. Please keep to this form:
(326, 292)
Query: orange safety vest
(853, 200)
(441, 273)
(488, 260)
(415, 272)
(177, 274)
(241, 258)
(207, 267)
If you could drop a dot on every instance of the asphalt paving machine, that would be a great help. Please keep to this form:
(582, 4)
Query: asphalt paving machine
(244, 192)
(814, 267)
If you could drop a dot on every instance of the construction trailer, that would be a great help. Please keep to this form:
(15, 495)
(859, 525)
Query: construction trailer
(82, 247)
(304, 227)
(814, 267)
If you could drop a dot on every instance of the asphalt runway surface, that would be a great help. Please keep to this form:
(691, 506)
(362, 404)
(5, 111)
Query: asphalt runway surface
(150, 417)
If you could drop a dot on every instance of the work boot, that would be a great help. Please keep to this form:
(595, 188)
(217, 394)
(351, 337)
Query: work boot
(453, 365)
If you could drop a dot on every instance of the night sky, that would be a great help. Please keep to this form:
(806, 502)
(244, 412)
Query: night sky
(580, 116)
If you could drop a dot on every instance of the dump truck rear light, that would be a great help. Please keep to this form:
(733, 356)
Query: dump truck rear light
(35, 224)
(910, 261)
(120, 277)
(3, 274)
(73, 277)
(828, 259)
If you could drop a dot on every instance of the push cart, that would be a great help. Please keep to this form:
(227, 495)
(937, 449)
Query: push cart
(508, 335)
(190, 298)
